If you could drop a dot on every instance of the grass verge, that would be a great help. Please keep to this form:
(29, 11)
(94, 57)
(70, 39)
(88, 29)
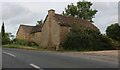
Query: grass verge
(23, 47)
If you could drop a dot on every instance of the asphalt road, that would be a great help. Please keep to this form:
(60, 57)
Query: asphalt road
(18, 58)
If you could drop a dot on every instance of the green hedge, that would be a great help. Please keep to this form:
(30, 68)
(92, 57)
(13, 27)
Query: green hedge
(23, 42)
(82, 39)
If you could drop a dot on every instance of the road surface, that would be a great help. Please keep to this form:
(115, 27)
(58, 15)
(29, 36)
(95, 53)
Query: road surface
(18, 58)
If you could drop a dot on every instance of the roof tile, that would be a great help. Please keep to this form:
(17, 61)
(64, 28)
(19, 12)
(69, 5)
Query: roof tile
(68, 21)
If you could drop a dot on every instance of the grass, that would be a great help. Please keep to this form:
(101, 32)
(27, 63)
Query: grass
(24, 47)
(38, 48)
(10, 46)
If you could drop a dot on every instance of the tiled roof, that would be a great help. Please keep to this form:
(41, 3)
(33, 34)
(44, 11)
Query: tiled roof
(63, 21)
(36, 28)
(31, 29)
(27, 28)
(68, 21)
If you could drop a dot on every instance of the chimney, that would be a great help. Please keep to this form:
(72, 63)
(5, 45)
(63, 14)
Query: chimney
(51, 12)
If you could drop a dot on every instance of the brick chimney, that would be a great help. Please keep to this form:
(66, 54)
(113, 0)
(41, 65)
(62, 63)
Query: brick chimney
(51, 12)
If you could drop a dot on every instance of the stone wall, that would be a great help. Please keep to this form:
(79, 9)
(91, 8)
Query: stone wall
(55, 34)
(21, 34)
(50, 32)
(64, 30)
(45, 33)
(35, 37)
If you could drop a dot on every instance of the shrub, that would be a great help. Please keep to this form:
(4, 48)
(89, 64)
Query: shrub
(86, 39)
(116, 44)
(23, 42)
(113, 31)
(5, 39)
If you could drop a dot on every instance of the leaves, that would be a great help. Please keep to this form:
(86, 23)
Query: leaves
(71, 10)
(39, 22)
(3, 30)
(82, 10)
(113, 31)
(5, 36)
(83, 39)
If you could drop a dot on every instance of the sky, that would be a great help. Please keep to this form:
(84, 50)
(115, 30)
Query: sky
(16, 12)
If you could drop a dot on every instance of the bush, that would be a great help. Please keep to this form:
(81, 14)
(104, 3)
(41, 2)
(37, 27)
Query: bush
(5, 39)
(86, 39)
(113, 31)
(116, 44)
(23, 42)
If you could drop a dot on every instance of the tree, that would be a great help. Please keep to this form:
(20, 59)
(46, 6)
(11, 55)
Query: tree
(71, 10)
(3, 30)
(113, 31)
(11, 36)
(39, 22)
(6, 39)
(82, 10)
(5, 36)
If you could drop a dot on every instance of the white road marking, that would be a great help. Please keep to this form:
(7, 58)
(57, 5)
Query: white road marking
(35, 66)
(9, 54)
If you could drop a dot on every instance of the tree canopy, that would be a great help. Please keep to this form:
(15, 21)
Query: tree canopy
(3, 30)
(39, 22)
(82, 10)
(5, 36)
(113, 31)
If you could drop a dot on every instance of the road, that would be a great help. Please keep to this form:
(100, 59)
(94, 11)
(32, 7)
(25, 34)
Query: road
(18, 58)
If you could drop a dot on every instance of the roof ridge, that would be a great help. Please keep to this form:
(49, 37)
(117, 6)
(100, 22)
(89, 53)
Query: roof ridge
(26, 25)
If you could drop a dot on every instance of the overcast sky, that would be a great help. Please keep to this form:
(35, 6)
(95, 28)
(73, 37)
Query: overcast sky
(20, 12)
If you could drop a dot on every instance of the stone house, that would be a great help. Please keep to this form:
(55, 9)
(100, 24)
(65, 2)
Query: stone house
(24, 32)
(54, 29)
(29, 33)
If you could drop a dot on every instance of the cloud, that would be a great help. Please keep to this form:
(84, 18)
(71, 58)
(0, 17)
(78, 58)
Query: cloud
(39, 0)
(56, 0)
(107, 14)
(28, 13)
(14, 14)
(10, 10)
